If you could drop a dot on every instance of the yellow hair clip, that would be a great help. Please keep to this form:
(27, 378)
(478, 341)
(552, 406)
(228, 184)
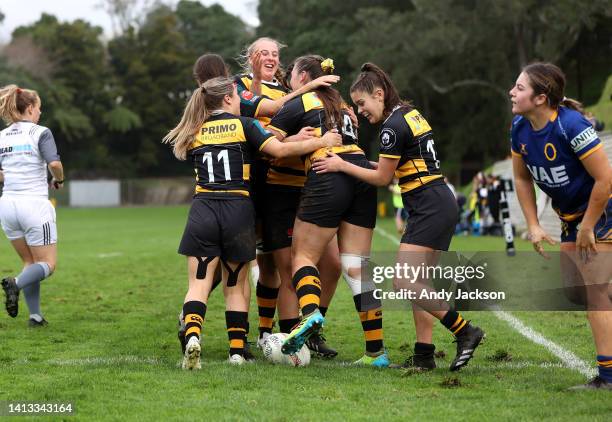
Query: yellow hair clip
(327, 65)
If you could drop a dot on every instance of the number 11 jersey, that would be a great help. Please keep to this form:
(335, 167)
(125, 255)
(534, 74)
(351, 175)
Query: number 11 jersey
(222, 153)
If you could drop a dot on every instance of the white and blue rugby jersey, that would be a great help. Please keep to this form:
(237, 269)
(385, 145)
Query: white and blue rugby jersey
(553, 156)
(25, 150)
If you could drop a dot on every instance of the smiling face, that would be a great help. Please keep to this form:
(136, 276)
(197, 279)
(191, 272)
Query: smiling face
(371, 106)
(270, 58)
(522, 96)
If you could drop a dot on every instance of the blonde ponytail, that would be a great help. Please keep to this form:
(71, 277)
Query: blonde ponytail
(14, 101)
(203, 100)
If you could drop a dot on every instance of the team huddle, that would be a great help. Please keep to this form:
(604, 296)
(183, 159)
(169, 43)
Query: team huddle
(265, 159)
(280, 178)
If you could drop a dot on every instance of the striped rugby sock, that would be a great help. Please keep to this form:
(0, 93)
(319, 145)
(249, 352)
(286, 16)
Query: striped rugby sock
(266, 306)
(604, 365)
(454, 322)
(236, 323)
(308, 289)
(194, 312)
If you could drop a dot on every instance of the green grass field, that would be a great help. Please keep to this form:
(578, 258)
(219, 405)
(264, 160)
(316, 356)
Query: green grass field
(111, 349)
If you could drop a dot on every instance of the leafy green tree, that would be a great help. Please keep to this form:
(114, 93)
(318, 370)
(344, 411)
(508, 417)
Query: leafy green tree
(212, 29)
(153, 66)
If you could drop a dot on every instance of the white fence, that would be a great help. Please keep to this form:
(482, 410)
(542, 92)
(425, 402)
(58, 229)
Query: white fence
(95, 193)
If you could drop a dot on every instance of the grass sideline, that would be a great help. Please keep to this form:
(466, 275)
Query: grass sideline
(111, 348)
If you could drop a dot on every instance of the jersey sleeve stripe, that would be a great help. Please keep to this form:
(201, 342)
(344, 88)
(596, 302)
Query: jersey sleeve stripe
(261, 100)
(591, 151)
(265, 143)
(395, 157)
(276, 129)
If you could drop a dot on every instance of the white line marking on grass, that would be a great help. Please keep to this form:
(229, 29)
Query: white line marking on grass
(109, 255)
(110, 361)
(137, 360)
(569, 359)
(387, 235)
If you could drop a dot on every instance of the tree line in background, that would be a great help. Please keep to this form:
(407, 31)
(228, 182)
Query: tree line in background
(109, 102)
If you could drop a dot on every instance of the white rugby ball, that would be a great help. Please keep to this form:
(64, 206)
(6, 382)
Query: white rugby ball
(272, 352)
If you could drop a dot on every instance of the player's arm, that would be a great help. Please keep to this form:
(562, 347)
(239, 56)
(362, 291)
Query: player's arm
(597, 165)
(269, 108)
(380, 176)
(523, 183)
(279, 149)
(48, 150)
(525, 192)
(1, 177)
(307, 132)
(588, 148)
(57, 171)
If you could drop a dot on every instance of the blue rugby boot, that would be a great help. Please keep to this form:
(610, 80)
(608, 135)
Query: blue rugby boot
(309, 325)
(381, 360)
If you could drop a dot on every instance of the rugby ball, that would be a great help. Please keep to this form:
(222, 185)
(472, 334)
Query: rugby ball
(272, 352)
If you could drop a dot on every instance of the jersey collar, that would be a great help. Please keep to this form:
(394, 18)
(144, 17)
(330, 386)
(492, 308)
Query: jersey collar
(273, 82)
(392, 111)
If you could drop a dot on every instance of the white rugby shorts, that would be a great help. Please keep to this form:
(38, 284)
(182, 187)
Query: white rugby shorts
(29, 218)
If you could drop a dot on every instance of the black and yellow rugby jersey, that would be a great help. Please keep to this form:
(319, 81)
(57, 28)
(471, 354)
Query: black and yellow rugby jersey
(281, 171)
(307, 110)
(406, 135)
(249, 101)
(222, 154)
(272, 90)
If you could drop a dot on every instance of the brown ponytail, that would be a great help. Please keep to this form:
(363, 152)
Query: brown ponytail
(315, 67)
(209, 66)
(372, 77)
(573, 104)
(14, 102)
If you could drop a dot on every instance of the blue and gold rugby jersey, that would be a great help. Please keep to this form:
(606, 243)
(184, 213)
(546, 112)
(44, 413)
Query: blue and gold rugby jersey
(552, 155)
(406, 135)
(222, 153)
(307, 110)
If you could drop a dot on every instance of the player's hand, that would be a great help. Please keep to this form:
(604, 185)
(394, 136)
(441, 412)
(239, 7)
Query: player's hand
(332, 138)
(257, 65)
(585, 244)
(325, 80)
(57, 184)
(353, 117)
(537, 235)
(330, 164)
(307, 132)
